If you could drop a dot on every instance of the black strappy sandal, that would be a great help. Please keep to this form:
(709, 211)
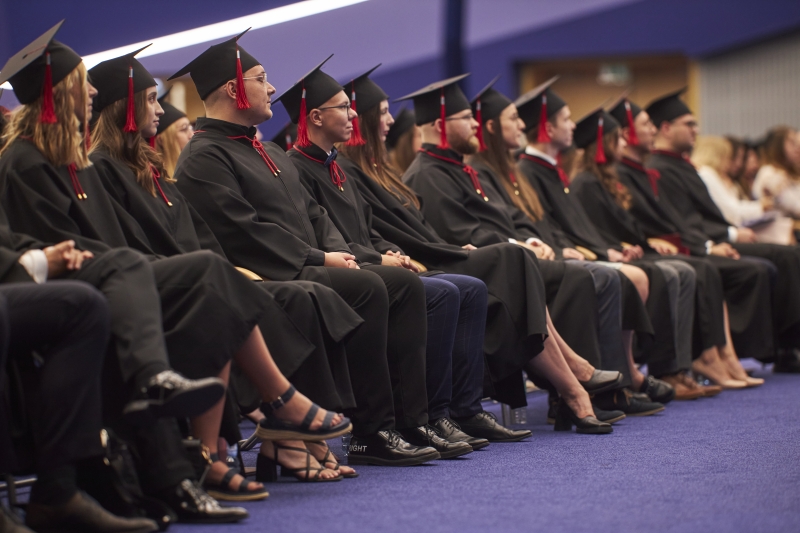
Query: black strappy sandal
(267, 467)
(221, 490)
(331, 458)
(271, 428)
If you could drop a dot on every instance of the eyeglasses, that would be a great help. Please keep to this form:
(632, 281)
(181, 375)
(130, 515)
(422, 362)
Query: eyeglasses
(261, 78)
(345, 107)
(467, 117)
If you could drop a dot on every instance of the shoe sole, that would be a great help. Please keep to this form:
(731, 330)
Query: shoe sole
(243, 497)
(455, 453)
(378, 461)
(513, 439)
(288, 434)
(612, 420)
(689, 397)
(647, 413)
(479, 446)
(595, 431)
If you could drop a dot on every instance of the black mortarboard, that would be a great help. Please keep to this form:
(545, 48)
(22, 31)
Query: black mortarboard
(668, 108)
(171, 114)
(219, 64)
(285, 137)
(119, 78)
(403, 122)
(624, 111)
(538, 105)
(34, 70)
(438, 100)
(591, 128)
(368, 94)
(311, 91)
(487, 105)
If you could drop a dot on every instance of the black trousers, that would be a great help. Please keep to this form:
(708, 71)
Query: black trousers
(66, 324)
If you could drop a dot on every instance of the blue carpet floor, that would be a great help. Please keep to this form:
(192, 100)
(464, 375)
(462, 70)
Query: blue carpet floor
(730, 463)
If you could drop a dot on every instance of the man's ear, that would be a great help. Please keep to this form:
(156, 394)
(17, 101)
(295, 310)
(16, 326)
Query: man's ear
(315, 117)
(231, 89)
(438, 125)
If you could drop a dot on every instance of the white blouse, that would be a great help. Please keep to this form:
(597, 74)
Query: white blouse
(778, 183)
(726, 196)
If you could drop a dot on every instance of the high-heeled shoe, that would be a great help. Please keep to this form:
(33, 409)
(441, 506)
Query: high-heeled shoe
(222, 490)
(702, 369)
(566, 418)
(267, 467)
(331, 459)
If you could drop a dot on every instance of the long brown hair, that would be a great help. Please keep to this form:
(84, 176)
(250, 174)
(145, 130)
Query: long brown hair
(61, 143)
(607, 172)
(403, 153)
(129, 147)
(373, 159)
(773, 152)
(167, 146)
(499, 159)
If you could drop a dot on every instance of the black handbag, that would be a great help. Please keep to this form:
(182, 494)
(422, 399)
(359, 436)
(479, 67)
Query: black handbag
(111, 479)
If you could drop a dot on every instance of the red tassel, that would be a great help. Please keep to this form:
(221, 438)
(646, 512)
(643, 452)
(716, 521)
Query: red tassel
(241, 94)
(48, 115)
(479, 118)
(443, 134)
(633, 139)
(152, 142)
(543, 137)
(600, 153)
(355, 138)
(302, 125)
(130, 122)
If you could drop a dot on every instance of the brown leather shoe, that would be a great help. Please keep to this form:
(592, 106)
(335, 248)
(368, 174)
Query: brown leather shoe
(707, 390)
(682, 390)
(81, 513)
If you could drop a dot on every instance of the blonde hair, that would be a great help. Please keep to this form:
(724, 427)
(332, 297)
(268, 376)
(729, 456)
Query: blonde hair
(712, 151)
(129, 147)
(61, 143)
(167, 146)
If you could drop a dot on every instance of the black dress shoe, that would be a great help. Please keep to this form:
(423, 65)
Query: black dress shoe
(658, 390)
(10, 522)
(609, 417)
(787, 362)
(566, 418)
(602, 381)
(194, 506)
(387, 448)
(451, 432)
(82, 514)
(629, 403)
(427, 436)
(485, 425)
(168, 394)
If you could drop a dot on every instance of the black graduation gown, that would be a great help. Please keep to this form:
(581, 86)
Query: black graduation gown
(452, 212)
(202, 328)
(290, 324)
(269, 224)
(682, 187)
(618, 225)
(506, 353)
(745, 285)
(566, 215)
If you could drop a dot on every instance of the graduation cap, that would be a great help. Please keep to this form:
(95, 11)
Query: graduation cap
(310, 92)
(625, 112)
(487, 105)
(119, 78)
(438, 100)
(34, 70)
(404, 121)
(219, 64)
(171, 113)
(591, 128)
(668, 108)
(369, 95)
(285, 137)
(538, 105)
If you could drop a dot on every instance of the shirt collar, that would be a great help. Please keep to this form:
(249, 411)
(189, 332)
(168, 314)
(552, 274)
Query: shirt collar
(229, 129)
(530, 150)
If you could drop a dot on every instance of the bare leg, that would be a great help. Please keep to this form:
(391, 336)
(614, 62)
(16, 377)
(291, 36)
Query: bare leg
(710, 365)
(260, 368)
(206, 428)
(731, 360)
(551, 364)
(582, 369)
